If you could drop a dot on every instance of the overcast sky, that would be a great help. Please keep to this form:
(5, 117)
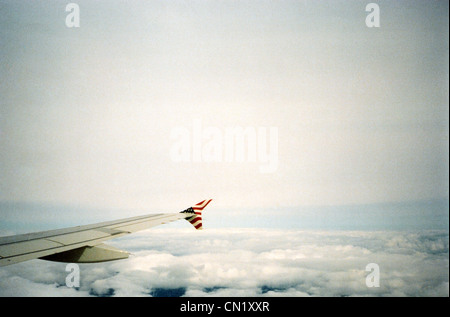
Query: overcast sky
(86, 113)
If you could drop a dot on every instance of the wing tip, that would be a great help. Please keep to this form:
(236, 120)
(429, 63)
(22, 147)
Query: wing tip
(201, 205)
(196, 220)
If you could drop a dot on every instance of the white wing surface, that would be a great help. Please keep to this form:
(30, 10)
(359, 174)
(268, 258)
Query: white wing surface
(84, 244)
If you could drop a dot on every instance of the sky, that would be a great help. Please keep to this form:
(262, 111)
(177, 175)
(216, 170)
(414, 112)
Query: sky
(353, 122)
(87, 113)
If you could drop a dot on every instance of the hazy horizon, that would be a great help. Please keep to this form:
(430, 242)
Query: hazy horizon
(20, 217)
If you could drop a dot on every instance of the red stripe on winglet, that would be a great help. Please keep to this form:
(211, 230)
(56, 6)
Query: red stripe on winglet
(195, 219)
(201, 208)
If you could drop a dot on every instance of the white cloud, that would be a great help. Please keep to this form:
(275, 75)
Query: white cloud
(250, 262)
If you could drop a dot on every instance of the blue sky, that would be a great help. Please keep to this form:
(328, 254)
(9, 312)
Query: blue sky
(86, 113)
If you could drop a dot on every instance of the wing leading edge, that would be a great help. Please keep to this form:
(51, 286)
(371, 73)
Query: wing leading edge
(84, 244)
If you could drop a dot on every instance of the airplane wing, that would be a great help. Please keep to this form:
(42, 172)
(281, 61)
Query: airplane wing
(84, 244)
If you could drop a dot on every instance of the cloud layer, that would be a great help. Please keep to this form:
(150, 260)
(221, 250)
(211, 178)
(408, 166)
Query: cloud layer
(250, 262)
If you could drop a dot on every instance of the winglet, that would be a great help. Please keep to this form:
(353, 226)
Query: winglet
(195, 214)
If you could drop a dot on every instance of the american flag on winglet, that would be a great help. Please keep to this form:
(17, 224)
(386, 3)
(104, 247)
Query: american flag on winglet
(196, 220)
